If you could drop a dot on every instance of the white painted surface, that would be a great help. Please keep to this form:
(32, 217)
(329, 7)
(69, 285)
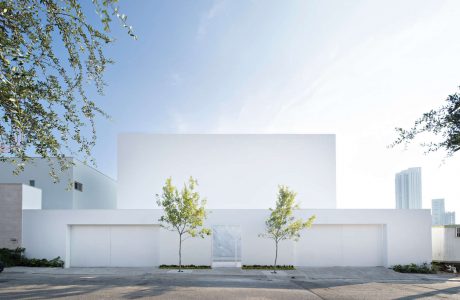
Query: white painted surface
(99, 191)
(113, 245)
(234, 171)
(337, 245)
(31, 197)
(364, 237)
(446, 244)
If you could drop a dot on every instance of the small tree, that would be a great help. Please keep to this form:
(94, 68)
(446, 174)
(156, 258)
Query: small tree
(281, 225)
(184, 212)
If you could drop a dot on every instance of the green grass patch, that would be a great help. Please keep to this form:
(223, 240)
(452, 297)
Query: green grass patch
(184, 267)
(16, 257)
(267, 267)
(414, 268)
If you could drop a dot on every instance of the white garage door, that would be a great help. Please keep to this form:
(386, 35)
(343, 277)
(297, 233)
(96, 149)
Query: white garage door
(113, 246)
(341, 245)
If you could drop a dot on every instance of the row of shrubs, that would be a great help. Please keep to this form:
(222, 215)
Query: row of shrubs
(414, 268)
(184, 267)
(267, 267)
(16, 257)
(244, 267)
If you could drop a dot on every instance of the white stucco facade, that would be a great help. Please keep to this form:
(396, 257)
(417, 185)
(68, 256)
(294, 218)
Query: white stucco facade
(235, 171)
(354, 237)
(446, 243)
(239, 176)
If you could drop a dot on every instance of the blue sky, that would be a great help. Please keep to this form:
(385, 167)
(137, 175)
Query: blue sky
(353, 68)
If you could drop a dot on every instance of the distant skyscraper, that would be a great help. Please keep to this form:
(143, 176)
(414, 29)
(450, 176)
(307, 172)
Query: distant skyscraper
(449, 218)
(408, 189)
(439, 216)
(437, 211)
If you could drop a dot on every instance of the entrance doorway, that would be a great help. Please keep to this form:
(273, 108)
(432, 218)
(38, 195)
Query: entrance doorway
(226, 246)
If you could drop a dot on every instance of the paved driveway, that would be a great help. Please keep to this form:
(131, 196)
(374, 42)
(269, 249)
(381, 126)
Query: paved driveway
(305, 283)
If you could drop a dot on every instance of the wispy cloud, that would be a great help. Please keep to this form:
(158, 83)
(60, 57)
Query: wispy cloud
(208, 17)
(385, 80)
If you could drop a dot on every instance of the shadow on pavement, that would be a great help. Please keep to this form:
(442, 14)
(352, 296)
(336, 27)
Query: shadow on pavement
(46, 286)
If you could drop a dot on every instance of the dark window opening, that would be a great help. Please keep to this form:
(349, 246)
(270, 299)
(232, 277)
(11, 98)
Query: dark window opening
(78, 186)
(32, 182)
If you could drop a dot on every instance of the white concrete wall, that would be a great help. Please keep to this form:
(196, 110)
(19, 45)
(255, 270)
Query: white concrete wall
(234, 171)
(446, 245)
(405, 235)
(31, 197)
(99, 190)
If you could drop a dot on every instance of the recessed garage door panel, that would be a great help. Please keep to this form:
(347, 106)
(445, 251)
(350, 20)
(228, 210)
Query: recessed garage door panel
(319, 246)
(363, 245)
(134, 246)
(341, 245)
(113, 246)
(90, 246)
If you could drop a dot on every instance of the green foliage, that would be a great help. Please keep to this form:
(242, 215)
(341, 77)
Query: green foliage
(16, 257)
(443, 122)
(281, 224)
(184, 211)
(414, 268)
(268, 267)
(199, 267)
(49, 56)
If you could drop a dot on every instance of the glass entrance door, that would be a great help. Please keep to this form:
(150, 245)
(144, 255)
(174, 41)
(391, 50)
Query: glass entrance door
(226, 245)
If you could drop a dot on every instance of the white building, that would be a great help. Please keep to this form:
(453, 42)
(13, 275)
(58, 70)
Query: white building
(408, 189)
(233, 171)
(239, 175)
(446, 243)
(80, 187)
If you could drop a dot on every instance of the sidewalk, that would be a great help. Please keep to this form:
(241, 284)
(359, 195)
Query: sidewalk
(305, 273)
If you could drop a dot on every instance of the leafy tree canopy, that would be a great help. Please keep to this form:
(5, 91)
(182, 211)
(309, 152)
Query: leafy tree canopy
(49, 53)
(443, 122)
(282, 225)
(184, 212)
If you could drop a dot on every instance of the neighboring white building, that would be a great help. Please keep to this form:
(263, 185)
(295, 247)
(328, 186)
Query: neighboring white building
(439, 214)
(14, 198)
(446, 243)
(80, 187)
(408, 189)
(239, 175)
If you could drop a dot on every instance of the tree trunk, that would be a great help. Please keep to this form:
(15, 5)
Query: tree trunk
(276, 257)
(180, 252)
